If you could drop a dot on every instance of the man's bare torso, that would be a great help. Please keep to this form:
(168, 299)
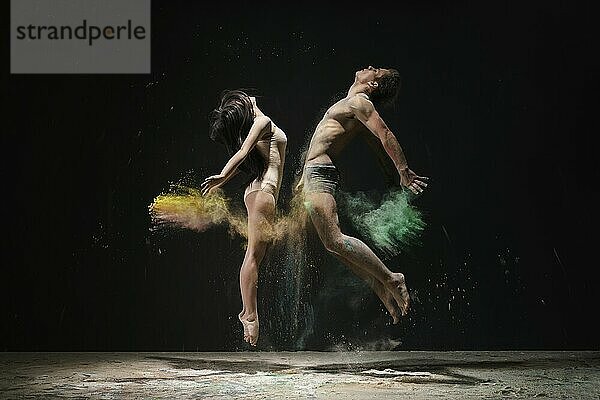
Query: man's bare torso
(338, 126)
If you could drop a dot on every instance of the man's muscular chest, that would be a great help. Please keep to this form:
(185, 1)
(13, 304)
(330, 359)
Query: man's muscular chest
(343, 114)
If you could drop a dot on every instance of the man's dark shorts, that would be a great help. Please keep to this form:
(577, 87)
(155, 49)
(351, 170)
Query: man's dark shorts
(321, 178)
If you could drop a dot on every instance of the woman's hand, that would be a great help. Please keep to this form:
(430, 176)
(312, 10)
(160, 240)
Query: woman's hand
(412, 181)
(211, 183)
(299, 186)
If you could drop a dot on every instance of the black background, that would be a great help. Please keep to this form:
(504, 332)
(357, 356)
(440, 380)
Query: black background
(498, 108)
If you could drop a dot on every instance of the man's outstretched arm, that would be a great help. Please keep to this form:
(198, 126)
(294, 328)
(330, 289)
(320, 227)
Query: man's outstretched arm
(368, 115)
(390, 175)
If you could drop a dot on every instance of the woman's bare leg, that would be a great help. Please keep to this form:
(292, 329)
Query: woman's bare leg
(323, 213)
(261, 213)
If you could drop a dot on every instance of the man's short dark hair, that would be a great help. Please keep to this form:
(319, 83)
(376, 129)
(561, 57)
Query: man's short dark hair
(388, 87)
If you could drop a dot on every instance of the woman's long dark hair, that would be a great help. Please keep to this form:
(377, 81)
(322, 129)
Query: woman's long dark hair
(230, 124)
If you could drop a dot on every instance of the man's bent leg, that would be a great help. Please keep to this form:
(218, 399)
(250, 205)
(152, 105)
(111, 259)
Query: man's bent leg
(322, 209)
(384, 295)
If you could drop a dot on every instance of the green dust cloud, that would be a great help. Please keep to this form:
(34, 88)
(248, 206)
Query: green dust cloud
(391, 223)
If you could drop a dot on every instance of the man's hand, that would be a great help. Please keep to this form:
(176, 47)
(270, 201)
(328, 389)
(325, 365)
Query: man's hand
(412, 181)
(211, 183)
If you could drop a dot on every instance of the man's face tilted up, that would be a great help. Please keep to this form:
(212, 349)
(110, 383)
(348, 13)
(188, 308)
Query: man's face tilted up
(370, 74)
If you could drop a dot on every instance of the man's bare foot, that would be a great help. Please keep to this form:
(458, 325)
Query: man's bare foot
(388, 301)
(250, 324)
(397, 287)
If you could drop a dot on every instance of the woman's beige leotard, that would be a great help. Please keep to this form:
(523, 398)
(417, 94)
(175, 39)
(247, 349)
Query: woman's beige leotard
(271, 147)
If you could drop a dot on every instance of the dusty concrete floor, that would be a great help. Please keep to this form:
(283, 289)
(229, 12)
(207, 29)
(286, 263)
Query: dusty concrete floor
(301, 375)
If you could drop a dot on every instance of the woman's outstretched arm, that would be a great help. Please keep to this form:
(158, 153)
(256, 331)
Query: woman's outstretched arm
(260, 125)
